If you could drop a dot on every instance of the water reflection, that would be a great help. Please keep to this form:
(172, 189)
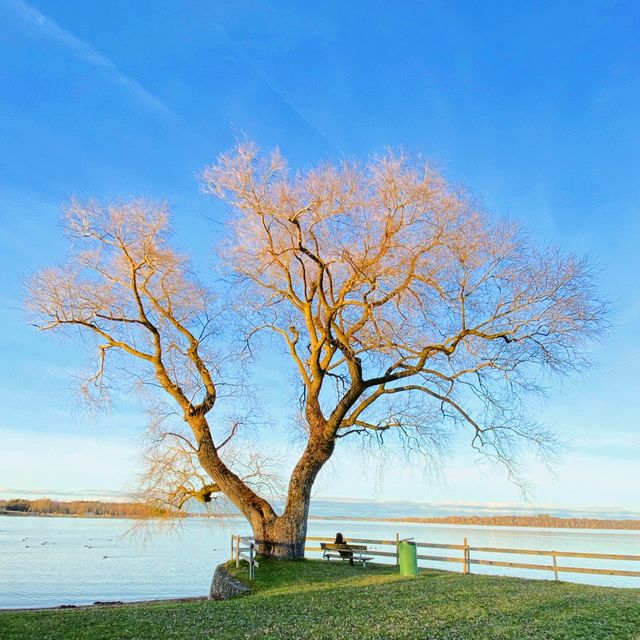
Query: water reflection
(54, 561)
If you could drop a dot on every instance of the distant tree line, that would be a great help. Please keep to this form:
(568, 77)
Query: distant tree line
(95, 508)
(539, 520)
(45, 506)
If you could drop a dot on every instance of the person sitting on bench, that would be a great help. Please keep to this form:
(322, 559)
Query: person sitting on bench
(343, 554)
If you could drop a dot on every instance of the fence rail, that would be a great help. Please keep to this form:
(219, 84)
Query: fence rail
(466, 560)
(243, 548)
(248, 553)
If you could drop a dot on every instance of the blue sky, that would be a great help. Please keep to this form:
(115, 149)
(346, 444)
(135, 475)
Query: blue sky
(535, 107)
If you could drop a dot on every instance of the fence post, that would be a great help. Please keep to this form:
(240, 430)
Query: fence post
(252, 570)
(397, 549)
(467, 558)
(232, 536)
(237, 551)
(555, 565)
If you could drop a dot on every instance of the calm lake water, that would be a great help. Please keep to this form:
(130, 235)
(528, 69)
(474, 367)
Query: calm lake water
(52, 561)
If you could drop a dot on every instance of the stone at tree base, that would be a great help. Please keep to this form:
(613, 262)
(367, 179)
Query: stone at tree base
(224, 585)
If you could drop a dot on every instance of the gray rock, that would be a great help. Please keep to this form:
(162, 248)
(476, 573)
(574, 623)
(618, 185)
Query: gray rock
(224, 585)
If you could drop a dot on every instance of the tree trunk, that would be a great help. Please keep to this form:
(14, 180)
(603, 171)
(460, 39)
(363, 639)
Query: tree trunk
(276, 536)
(284, 536)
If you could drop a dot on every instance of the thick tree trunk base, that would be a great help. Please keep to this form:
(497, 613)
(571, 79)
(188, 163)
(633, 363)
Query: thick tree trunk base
(282, 539)
(280, 550)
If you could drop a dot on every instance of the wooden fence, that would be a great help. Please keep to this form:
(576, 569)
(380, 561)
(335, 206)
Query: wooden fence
(466, 555)
(243, 548)
(466, 560)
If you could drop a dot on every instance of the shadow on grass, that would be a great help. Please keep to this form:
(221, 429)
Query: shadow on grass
(315, 599)
(345, 604)
(310, 575)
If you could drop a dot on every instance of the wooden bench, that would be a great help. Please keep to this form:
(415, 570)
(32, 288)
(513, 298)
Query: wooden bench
(355, 552)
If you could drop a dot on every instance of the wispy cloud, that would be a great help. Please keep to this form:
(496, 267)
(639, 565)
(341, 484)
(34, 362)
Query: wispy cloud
(279, 92)
(50, 29)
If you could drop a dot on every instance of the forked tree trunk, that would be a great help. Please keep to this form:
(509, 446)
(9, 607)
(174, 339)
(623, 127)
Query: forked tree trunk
(284, 536)
(277, 536)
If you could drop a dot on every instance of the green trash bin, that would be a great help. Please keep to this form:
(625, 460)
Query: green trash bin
(408, 558)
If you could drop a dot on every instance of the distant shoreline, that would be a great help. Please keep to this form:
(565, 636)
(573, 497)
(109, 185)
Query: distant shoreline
(106, 605)
(535, 521)
(26, 514)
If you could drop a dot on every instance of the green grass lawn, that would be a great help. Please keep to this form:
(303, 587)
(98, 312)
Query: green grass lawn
(314, 599)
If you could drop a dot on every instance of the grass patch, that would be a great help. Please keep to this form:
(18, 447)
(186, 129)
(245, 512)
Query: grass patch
(315, 599)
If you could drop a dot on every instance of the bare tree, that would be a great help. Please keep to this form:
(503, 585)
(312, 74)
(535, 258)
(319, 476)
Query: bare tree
(124, 285)
(406, 312)
(393, 296)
